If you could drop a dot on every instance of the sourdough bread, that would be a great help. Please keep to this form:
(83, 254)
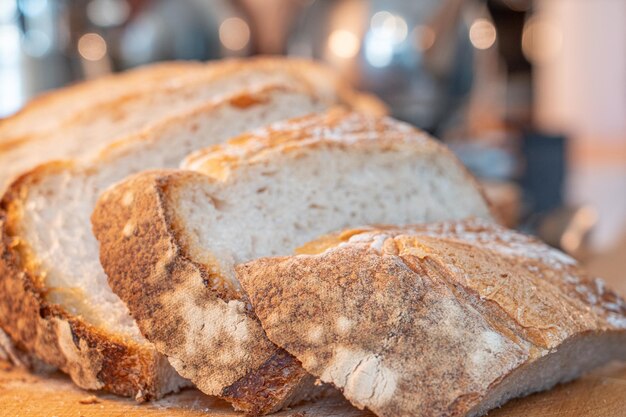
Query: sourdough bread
(170, 240)
(55, 301)
(448, 319)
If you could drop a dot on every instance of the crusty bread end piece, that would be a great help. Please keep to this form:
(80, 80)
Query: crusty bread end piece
(447, 319)
(170, 240)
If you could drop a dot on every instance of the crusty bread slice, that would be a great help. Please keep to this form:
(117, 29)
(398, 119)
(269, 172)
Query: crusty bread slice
(120, 105)
(449, 319)
(170, 239)
(55, 301)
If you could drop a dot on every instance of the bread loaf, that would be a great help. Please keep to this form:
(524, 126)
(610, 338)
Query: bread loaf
(448, 319)
(54, 299)
(170, 240)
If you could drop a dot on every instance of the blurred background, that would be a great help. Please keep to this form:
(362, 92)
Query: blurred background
(531, 94)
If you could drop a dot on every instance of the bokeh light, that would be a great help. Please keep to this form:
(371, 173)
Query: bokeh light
(482, 34)
(343, 43)
(92, 47)
(234, 33)
(541, 40)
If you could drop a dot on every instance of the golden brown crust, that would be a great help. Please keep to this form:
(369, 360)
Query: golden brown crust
(277, 383)
(428, 320)
(151, 271)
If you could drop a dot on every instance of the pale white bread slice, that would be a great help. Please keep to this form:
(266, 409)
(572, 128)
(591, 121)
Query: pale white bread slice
(120, 105)
(55, 300)
(170, 240)
(447, 319)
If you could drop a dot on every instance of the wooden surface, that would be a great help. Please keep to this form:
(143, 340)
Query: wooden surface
(600, 394)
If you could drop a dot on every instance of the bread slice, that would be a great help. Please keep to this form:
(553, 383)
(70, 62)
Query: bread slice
(55, 301)
(170, 240)
(81, 120)
(448, 319)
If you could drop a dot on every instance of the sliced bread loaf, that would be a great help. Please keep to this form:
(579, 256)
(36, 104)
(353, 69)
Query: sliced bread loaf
(55, 301)
(170, 240)
(449, 319)
(82, 120)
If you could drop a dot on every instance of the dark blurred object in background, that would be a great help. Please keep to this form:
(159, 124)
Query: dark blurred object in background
(544, 174)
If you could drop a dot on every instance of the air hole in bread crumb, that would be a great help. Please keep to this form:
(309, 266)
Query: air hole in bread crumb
(220, 205)
(254, 243)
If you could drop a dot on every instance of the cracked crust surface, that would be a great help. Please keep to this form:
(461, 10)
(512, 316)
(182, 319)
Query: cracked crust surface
(184, 295)
(447, 319)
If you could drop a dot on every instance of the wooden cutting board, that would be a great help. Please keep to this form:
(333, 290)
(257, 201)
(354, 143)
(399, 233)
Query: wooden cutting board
(600, 394)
